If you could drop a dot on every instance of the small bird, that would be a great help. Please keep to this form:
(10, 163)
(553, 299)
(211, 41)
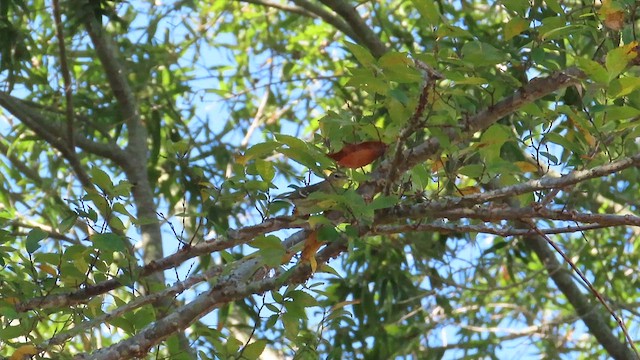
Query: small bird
(304, 199)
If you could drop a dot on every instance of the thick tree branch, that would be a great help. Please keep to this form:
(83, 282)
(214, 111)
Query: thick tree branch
(135, 165)
(234, 286)
(329, 18)
(532, 91)
(280, 6)
(363, 32)
(53, 133)
(234, 238)
(437, 209)
(589, 311)
(47, 132)
(171, 291)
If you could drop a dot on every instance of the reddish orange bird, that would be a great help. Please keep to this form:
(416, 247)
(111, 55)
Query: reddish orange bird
(357, 155)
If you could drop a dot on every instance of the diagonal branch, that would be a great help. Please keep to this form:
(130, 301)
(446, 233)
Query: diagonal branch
(328, 17)
(46, 131)
(284, 7)
(53, 133)
(363, 32)
(171, 291)
(233, 238)
(532, 91)
(587, 310)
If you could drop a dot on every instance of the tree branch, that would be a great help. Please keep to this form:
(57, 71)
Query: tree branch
(329, 18)
(66, 76)
(52, 133)
(363, 32)
(587, 310)
(135, 165)
(532, 91)
(47, 132)
(233, 238)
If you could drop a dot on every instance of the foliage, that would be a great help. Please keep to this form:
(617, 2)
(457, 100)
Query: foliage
(142, 160)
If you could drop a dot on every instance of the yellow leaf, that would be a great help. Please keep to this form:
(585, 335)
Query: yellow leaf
(514, 27)
(340, 305)
(11, 300)
(48, 269)
(437, 165)
(314, 264)
(613, 14)
(469, 190)
(240, 159)
(24, 352)
(525, 166)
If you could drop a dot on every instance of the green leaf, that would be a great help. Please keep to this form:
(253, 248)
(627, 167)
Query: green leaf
(270, 248)
(123, 189)
(290, 322)
(563, 142)
(120, 208)
(518, 6)
(254, 350)
(261, 150)
(266, 242)
(620, 112)
(399, 68)
(361, 53)
(478, 54)
(383, 202)
(515, 27)
(67, 223)
(472, 171)
(429, 11)
(102, 180)
(618, 60)
(554, 6)
(302, 298)
(232, 345)
(265, 169)
(98, 200)
(492, 140)
(623, 86)
(594, 70)
(33, 239)
(116, 223)
(328, 234)
(303, 153)
(108, 242)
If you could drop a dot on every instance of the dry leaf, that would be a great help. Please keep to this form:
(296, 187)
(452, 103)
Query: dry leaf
(24, 352)
(357, 155)
(311, 246)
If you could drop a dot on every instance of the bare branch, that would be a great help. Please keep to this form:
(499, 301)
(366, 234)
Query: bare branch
(234, 237)
(445, 228)
(171, 291)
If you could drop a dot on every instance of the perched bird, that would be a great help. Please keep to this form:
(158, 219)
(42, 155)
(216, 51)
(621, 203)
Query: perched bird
(308, 199)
